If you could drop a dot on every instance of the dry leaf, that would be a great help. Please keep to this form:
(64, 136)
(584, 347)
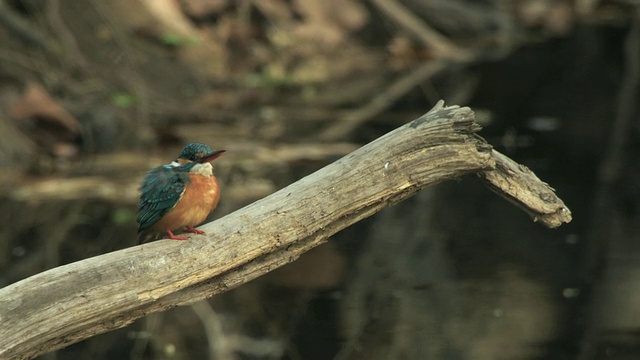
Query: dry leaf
(37, 104)
(329, 21)
(203, 8)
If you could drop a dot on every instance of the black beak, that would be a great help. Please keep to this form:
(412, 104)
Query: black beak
(211, 156)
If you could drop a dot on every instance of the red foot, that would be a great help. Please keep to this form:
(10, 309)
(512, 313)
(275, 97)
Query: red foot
(173, 237)
(194, 230)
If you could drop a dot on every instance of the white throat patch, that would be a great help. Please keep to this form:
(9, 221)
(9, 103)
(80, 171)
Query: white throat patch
(205, 169)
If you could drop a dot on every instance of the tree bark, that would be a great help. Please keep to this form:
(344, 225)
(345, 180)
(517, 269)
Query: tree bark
(69, 303)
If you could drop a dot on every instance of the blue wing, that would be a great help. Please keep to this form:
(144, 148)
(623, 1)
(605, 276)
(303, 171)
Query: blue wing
(160, 191)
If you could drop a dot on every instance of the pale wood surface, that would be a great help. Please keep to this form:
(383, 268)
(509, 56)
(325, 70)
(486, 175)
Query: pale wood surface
(69, 303)
(519, 185)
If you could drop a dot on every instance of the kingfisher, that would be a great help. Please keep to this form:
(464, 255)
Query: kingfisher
(179, 195)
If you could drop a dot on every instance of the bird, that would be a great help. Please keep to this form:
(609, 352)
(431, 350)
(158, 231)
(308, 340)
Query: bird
(179, 195)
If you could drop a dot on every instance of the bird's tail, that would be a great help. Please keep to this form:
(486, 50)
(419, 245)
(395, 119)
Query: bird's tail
(144, 236)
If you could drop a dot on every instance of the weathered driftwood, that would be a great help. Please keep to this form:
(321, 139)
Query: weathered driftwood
(72, 302)
(519, 185)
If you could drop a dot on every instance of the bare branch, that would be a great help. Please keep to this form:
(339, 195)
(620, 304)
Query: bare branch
(522, 187)
(431, 38)
(69, 303)
(350, 120)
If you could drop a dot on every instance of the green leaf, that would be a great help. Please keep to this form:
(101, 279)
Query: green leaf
(123, 216)
(123, 100)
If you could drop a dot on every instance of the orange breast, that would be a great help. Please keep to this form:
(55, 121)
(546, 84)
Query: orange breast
(200, 197)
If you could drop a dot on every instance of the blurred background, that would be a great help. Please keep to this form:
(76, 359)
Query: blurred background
(94, 93)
